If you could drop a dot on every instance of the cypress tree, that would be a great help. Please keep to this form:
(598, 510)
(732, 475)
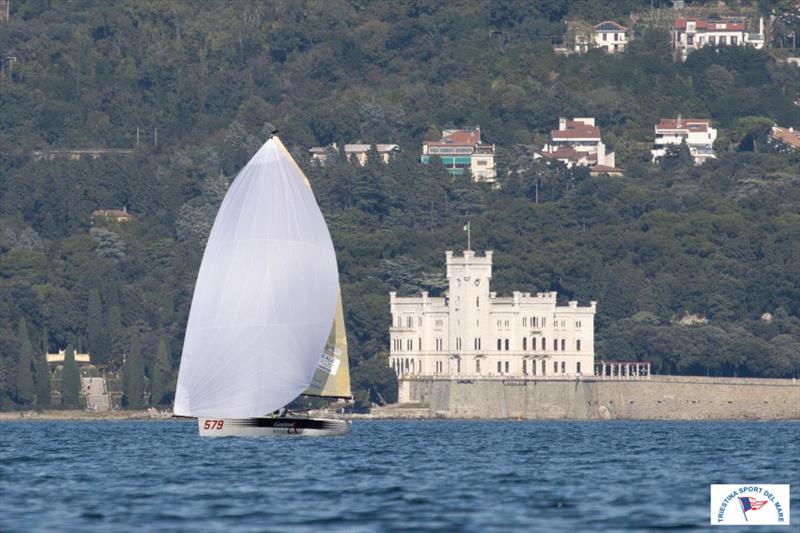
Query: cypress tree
(133, 375)
(114, 327)
(96, 330)
(160, 376)
(42, 374)
(70, 381)
(24, 391)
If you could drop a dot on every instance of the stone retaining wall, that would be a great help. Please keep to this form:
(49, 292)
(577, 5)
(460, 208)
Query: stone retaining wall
(657, 398)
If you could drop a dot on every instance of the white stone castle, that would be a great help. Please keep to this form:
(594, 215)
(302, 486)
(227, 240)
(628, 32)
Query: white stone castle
(474, 333)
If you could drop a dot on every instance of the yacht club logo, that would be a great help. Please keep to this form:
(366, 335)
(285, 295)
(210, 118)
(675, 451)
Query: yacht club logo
(750, 504)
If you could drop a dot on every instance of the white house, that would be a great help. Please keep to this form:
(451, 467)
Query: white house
(696, 132)
(610, 36)
(577, 141)
(472, 332)
(694, 33)
(462, 149)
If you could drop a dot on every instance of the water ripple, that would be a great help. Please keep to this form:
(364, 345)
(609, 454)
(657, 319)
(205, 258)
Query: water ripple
(385, 476)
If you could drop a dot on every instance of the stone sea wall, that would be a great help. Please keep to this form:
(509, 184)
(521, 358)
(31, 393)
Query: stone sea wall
(657, 398)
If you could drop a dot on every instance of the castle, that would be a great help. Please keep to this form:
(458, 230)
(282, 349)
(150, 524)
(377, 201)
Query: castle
(472, 332)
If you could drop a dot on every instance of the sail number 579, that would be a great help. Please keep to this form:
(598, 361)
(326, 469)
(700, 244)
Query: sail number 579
(213, 424)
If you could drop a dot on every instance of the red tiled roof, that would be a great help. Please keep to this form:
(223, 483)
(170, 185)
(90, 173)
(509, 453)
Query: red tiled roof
(691, 124)
(788, 135)
(609, 25)
(468, 137)
(577, 130)
(703, 24)
(600, 169)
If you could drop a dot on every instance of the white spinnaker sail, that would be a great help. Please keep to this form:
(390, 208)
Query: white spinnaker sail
(265, 295)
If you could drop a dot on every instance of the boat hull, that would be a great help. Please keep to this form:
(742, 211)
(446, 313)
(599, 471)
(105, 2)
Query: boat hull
(287, 426)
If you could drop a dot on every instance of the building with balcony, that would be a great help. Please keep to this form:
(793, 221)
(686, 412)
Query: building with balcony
(474, 333)
(693, 33)
(463, 149)
(577, 142)
(697, 133)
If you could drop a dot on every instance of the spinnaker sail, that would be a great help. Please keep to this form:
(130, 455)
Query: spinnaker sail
(265, 296)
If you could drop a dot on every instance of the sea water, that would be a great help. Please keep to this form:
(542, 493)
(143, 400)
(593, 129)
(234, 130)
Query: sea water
(385, 476)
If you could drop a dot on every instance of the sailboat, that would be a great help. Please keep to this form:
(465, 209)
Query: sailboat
(266, 323)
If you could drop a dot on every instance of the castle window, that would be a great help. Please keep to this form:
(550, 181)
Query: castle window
(419, 344)
(506, 367)
(477, 301)
(524, 343)
(555, 367)
(555, 345)
(544, 322)
(478, 366)
(525, 367)
(533, 367)
(408, 321)
(578, 367)
(544, 368)
(419, 321)
(410, 345)
(506, 344)
(507, 323)
(499, 343)
(499, 367)
(458, 366)
(563, 344)
(544, 344)
(578, 345)
(563, 367)
(533, 344)
(524, 321)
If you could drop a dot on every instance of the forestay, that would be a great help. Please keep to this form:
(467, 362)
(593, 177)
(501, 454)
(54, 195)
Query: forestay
(265, 296)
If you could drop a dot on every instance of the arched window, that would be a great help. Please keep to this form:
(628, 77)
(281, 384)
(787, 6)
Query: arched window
(563, 344)
(507, 367)
(544, 344)
(544, 367)
(533, 343)
(499, 367)
(525, 367)
(578, 345)
(524, 343)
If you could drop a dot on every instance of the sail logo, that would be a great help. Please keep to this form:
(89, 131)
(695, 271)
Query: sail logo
(733, 505)
(329, 364)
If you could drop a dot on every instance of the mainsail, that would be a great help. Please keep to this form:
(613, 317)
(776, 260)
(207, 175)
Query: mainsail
(265, 297)
(332, 378)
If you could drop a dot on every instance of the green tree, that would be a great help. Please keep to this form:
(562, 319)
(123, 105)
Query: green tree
(96, 329)
(161, 374)
(42, 374)
(24, 391)
(70, 381)
(133, 375)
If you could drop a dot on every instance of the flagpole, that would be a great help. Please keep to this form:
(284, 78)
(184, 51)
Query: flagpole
(469, 237)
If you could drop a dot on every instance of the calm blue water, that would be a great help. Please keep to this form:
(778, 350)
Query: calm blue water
(444, 475)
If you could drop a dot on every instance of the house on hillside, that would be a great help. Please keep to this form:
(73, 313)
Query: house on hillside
(693, 33)
(357, 153)
(116, 215)
(610, 36)
(581, 37)
(461, 149)
(697, 133)
(577, 142)
(788, 136)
